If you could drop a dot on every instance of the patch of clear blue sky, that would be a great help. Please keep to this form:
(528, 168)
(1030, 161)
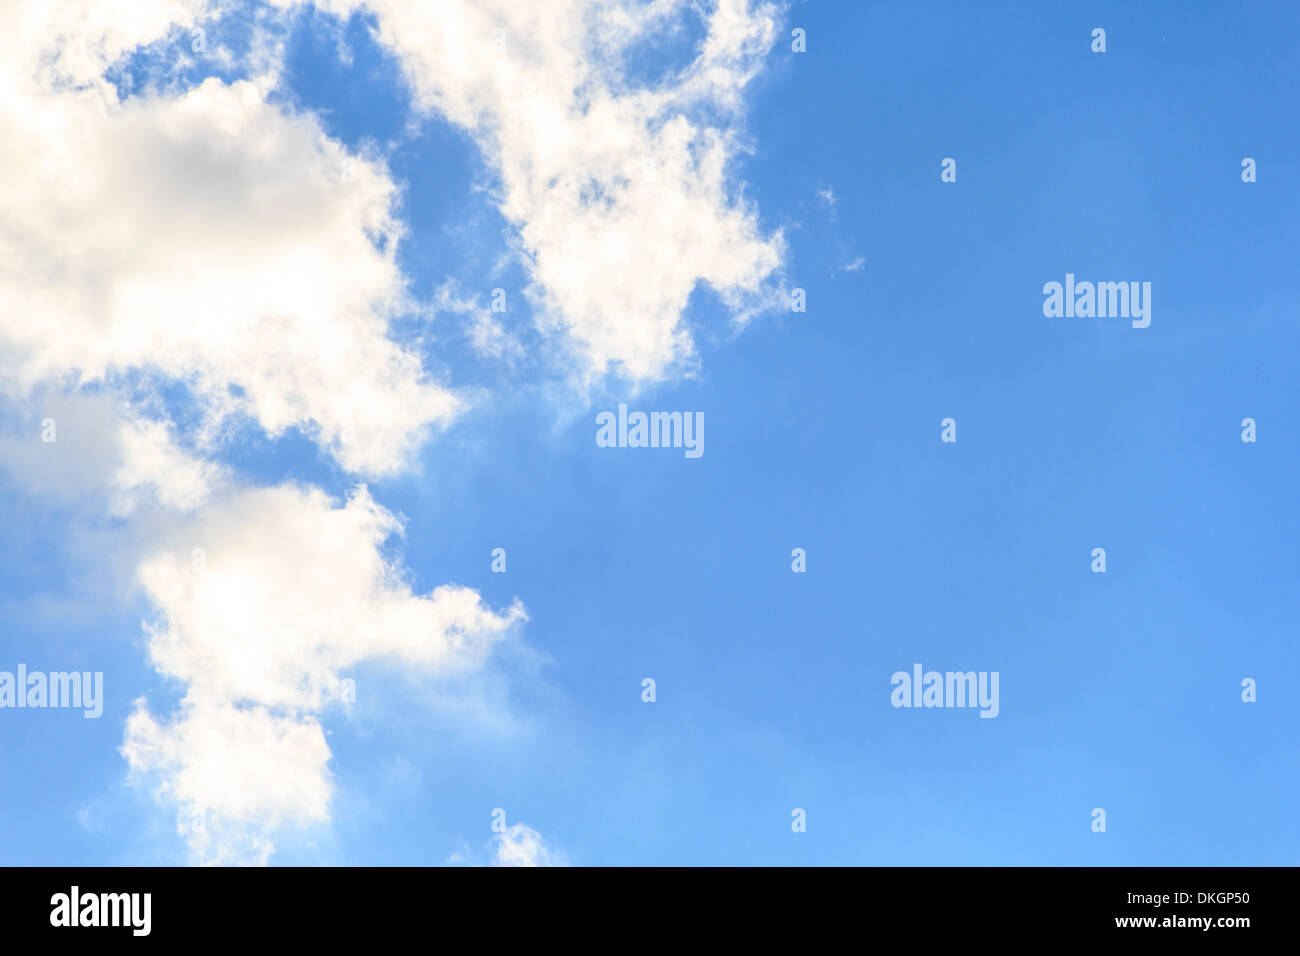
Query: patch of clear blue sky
(1119, 690)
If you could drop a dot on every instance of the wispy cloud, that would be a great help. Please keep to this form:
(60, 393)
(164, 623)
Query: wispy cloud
(521, 845)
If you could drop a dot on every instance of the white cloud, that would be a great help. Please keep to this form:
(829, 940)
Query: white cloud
(521, 845)
(210, 236)
(621, 194)
(239, 775)
(104, 454)
(86, 447)
(153, 465)
(75, 40)
(290, 591)
(486, 334)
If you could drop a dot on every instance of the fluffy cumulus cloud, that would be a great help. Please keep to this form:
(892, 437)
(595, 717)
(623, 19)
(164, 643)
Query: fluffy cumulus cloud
(209, 240)
(211, 237)
(287, 591)
(240, 775)
(619, 190)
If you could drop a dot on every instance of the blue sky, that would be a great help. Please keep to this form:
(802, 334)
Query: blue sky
(1120, 690)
